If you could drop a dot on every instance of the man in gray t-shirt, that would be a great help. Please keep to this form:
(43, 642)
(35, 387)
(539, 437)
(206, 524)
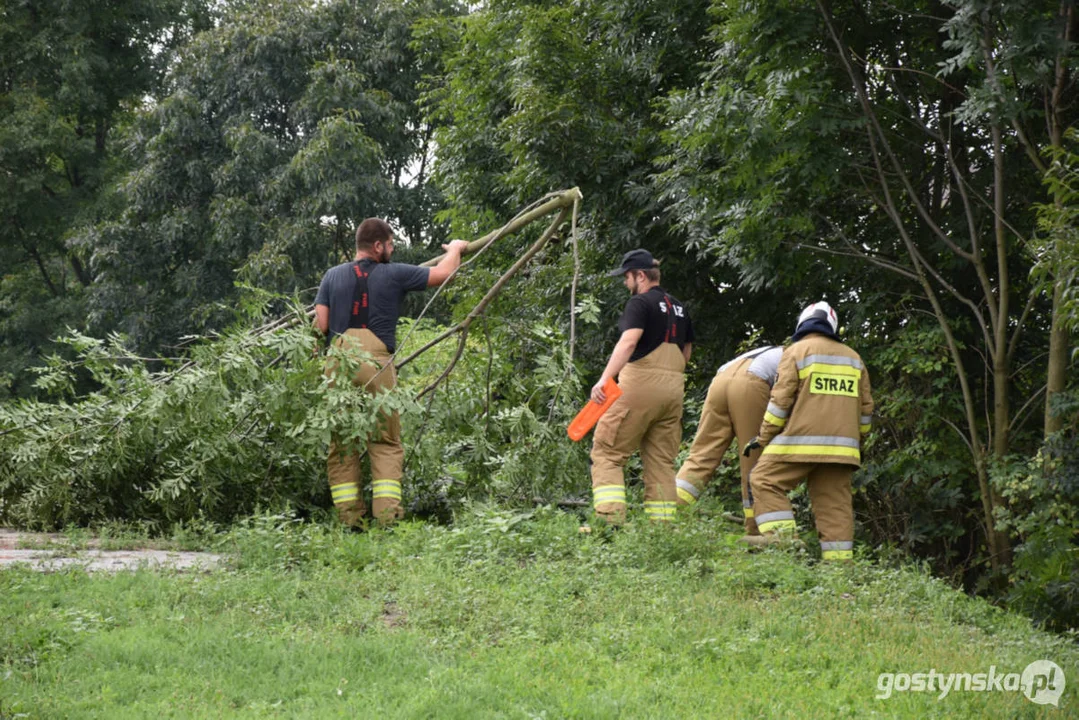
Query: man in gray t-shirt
(387, 284)
(357, 308)
(737, 401)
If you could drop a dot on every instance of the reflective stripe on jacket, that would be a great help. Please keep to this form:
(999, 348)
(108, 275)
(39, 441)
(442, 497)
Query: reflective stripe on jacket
(820, 406)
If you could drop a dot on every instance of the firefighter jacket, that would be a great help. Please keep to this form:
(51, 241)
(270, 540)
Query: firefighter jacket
(820, 405)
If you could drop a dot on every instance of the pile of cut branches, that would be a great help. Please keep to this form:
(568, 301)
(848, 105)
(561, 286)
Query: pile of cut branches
(242, 419)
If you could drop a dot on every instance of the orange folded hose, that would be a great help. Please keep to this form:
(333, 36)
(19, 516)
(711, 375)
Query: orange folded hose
(591, 412)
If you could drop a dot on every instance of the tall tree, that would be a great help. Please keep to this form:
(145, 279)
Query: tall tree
(877, 138)
(282, 127)
(538, 95)
(70, 73)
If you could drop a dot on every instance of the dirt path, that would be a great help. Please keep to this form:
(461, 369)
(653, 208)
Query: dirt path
(49, 552)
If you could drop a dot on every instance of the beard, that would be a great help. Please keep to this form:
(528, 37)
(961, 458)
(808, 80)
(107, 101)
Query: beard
(634, 286)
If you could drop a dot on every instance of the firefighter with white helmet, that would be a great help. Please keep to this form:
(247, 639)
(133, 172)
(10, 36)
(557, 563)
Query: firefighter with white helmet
(820, 408)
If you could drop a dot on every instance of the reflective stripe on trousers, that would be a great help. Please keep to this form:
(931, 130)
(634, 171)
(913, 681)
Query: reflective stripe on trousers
(834, 445)
(386, 489)
(614, 494)
(344, 493)
(837, 550)
(662, 510)
(775, 521)
(687, 491)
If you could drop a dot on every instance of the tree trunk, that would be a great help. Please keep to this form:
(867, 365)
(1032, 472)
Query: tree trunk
(1057, 374)
(1001, 409)
(44, 272)
(101, 131)
(996, 341)
(1001, 363)
(80, 271)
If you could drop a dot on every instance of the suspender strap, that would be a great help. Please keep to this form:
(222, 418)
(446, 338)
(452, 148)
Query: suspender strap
(360, 298)
(757, 352)
(672, 324)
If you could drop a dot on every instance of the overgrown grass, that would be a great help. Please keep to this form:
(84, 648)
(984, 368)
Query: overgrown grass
(503, 615)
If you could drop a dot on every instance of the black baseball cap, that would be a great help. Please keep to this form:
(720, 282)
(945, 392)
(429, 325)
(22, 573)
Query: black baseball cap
(639, 259)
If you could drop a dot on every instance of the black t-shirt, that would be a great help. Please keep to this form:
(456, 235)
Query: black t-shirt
(650, 312)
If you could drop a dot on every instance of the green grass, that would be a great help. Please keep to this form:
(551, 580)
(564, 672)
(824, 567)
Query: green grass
(503, 615)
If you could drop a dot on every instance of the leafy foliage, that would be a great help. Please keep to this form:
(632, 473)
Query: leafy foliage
(914, 492)
(1044, 512)
(907, 162)
(71, 75)
(244, 421)
(284, 126)
(875, 156)
(235, 426)
(538, 95)
(1057, 243)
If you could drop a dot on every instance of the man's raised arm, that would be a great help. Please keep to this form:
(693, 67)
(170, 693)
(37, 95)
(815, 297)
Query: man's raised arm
(441, 272)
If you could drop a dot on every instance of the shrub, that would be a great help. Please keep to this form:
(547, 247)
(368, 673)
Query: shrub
(1043, 511)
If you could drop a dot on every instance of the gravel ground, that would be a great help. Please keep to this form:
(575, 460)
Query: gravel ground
(47, 552)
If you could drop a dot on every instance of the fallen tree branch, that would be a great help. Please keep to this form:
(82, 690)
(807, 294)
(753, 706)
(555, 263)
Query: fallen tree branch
(493, 292)
(463, 326)
(558, 200)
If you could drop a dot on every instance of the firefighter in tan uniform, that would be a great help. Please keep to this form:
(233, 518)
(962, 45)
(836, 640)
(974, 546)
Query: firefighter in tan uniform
(733, 409)
(819, 410)
(649, 362)
(357, 308)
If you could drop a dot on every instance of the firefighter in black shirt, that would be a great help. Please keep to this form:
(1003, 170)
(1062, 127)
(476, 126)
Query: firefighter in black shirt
(649, 362)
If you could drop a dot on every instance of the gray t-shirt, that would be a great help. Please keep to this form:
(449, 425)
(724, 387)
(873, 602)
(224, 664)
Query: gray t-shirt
(765, 363)
(387, 284)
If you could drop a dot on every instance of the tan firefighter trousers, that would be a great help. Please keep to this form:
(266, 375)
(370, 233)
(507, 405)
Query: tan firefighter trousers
(829, 494)
(648, 416)
(383, 446)
(733, 409)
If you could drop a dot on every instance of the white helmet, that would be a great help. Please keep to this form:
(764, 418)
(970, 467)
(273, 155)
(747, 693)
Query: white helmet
(819, 311)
